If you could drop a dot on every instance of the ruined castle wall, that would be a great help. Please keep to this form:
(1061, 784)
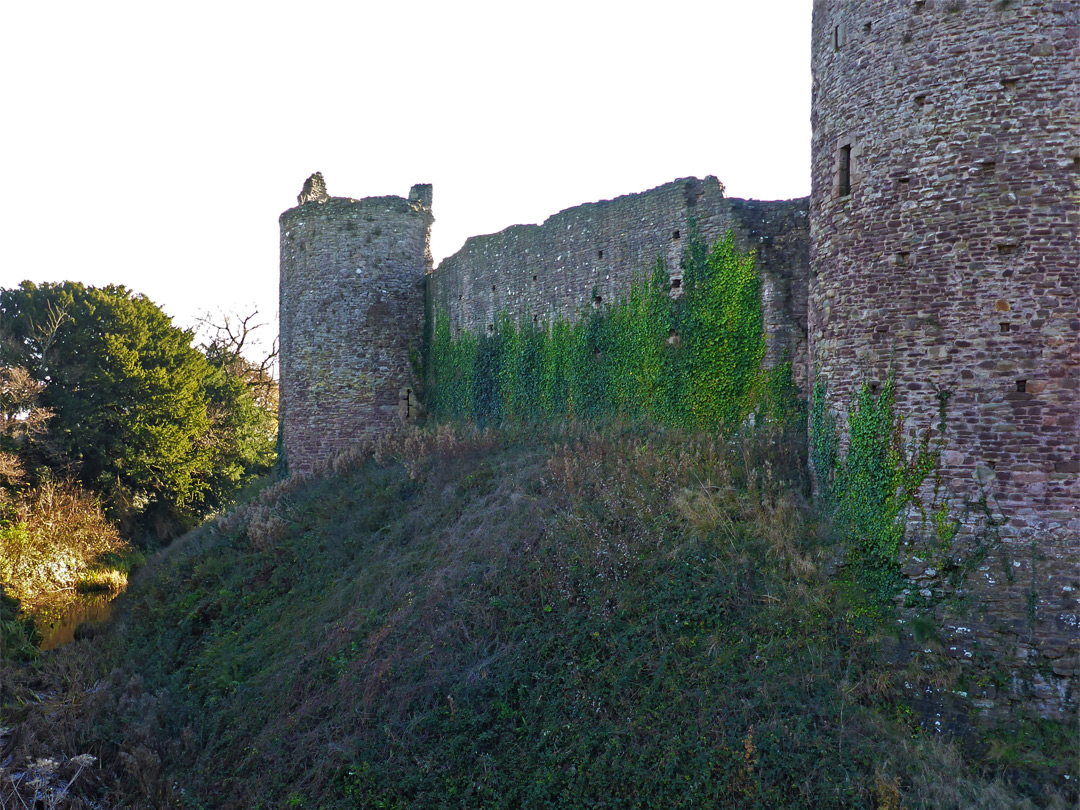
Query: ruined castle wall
(945, 242)
(352, 308)
(591, 254)
(778, 231)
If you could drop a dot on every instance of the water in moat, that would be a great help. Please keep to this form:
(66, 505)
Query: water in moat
(90, 609)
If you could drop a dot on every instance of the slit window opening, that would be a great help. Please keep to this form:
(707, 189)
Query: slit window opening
(845, 170)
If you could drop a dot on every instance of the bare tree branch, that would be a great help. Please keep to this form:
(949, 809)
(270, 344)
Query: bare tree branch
(229, 335)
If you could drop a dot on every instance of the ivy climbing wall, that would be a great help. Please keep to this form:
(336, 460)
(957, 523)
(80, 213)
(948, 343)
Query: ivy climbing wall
(945, 241)
(588, 256)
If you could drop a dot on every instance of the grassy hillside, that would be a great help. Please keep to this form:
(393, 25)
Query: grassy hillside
(613, 619)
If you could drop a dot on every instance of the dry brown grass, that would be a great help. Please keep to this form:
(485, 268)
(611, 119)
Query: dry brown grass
(781, 522)
(59, 532)
(45, 783)
(937, 775)
(50, 757)
(266, 519)
(414, 592)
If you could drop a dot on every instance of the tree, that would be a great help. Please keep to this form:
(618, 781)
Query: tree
(230, 346)
(126, 390)
(22, 420)
(241, 403)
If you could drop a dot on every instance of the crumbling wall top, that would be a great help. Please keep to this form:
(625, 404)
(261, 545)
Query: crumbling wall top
(314, 190)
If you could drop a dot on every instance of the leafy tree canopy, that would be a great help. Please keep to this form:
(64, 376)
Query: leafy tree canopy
(138, 414)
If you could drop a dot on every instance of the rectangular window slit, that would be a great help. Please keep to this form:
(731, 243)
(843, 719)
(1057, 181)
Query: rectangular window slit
(845, 170)
(674, 235)
(920, 100)
(902, 257)
(1005, 327)
(1021, 386)
(676, 283)
(599, 254)
(1007, 249)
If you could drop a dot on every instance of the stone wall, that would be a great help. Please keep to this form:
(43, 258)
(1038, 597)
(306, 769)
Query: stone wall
(945, 242)
(779, 233)
(351, 312)
(590, 255)
(352, 288)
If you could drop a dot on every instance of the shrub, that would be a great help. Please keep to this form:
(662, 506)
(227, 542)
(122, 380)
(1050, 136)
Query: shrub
(54, 537)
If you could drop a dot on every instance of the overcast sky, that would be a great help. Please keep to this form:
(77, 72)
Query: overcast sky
(154, 145)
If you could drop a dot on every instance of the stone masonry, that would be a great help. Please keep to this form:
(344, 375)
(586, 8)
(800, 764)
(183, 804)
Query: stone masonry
(940, 245)
(590, 255)
(945, 245)
(351, 315)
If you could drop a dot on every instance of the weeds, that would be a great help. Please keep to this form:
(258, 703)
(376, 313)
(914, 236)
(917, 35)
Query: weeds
(567, 618)
(55, 543)
(42, 783)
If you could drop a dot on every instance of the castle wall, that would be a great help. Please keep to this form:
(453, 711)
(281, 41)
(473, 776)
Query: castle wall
(351, 311)
(778, 231)
(591, 254)
(945, 242)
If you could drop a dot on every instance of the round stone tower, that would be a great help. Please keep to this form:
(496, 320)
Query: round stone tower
(351, 316)
(945, 245)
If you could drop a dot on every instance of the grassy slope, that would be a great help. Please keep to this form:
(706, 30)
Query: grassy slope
(516, 622)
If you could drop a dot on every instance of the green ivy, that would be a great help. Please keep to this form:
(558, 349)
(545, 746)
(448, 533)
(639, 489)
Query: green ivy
(693, 362)
(871, 488)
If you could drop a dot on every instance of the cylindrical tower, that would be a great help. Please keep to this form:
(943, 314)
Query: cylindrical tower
(945, 245)
(351, 315)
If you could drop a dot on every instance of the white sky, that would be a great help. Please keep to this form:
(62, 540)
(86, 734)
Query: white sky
(154, 145)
